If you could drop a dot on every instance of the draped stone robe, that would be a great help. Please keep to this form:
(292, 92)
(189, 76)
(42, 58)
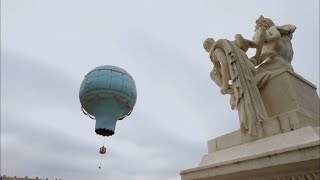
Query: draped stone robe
(246, 96)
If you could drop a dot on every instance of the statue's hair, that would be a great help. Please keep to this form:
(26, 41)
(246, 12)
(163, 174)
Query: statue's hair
(266, 22)
(207, 44)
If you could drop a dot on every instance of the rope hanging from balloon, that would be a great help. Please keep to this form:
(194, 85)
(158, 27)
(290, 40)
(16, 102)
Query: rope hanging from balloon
(102, 151)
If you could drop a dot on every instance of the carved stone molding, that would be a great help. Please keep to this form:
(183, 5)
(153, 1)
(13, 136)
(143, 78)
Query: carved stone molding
(304, 176)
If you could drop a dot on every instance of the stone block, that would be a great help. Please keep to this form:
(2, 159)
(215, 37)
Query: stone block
(290, 154)
(286, 91)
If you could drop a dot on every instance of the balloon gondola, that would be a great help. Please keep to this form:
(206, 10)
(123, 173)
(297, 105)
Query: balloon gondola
(103, 150)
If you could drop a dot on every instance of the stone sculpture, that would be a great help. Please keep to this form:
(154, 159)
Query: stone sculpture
(273, 48)
(278, 111)
(273, 44)
(236, 75)
(232, 64)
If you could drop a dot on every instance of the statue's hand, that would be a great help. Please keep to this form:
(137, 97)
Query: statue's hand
(232, 102)
(241, 42)
(230, 91)
(254, 60)
(233, 105)
(226, 89)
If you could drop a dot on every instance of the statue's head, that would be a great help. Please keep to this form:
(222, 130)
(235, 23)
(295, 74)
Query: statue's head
(207, 44)
(263, 22)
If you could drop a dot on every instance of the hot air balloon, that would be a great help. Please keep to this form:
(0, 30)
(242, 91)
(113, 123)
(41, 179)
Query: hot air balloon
(107, 94)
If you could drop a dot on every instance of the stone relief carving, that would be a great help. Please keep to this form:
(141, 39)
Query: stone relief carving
(305, 176)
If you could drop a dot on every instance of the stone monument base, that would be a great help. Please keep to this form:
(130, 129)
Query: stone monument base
(290, 155)
(287, 146)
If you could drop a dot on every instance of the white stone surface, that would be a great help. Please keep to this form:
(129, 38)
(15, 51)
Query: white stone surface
(287, 112)
(301, 138)
(286, 91)
(292, 150)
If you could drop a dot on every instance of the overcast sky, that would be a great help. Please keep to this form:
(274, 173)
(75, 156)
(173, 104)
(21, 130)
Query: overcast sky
(48, 46)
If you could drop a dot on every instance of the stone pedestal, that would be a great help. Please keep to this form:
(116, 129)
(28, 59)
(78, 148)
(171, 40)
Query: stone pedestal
(288, 143)
(291, 100)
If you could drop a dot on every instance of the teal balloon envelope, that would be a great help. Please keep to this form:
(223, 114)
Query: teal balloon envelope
(107, 94)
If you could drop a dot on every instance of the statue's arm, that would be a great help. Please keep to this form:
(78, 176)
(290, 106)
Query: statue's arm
(243, 43)
(272, 34)
(287, 29)
(251, 44)
(216, 76)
